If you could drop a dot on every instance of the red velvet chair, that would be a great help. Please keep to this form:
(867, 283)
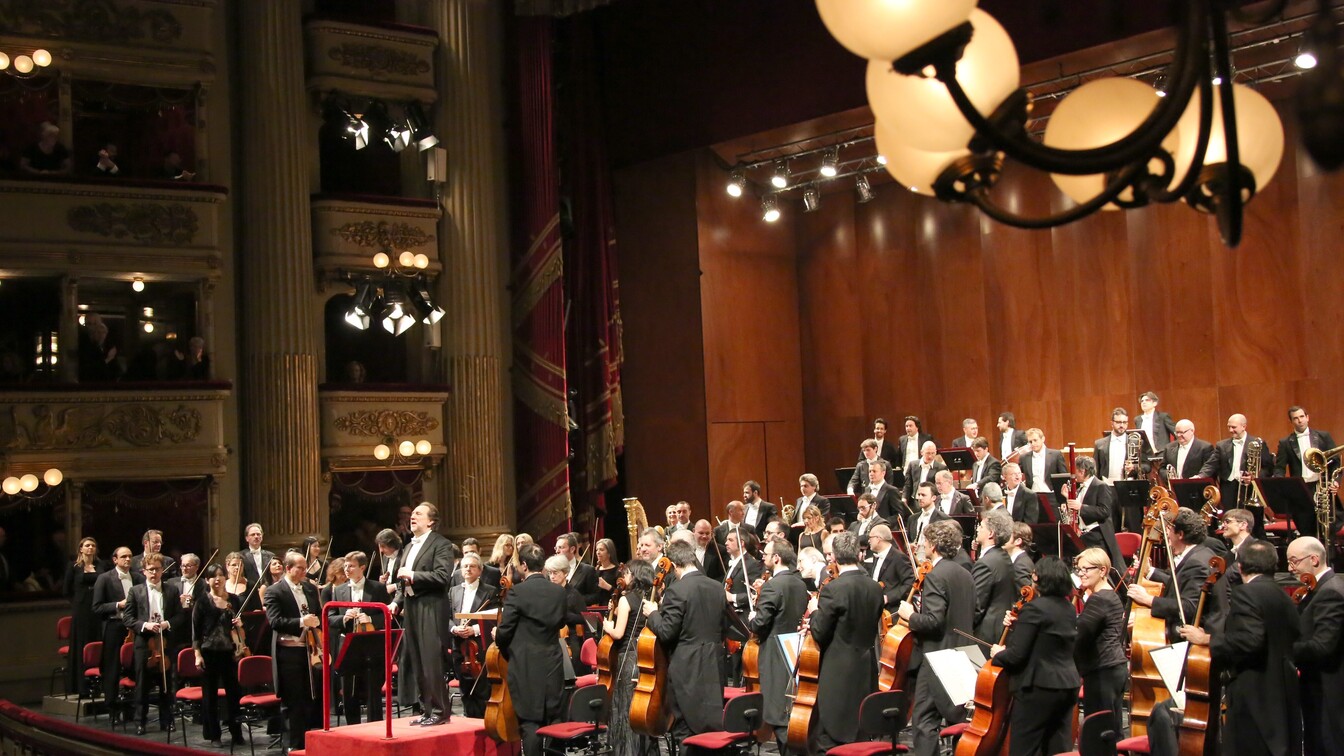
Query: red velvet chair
(64, 625)
(91, 661)
(259, 701)
(1129, 544)
(190, 696)
(1133, 745)
(587, 657)
(741, 719)
(881, 714)
(585, 724)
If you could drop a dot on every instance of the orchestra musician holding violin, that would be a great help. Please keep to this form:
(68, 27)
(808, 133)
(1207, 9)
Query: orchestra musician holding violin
(1319, 650)
(292, 604)
(152, 610)
(529, 637)
(467, 597)
(214, 619)
(743, 571)
(357, 683)
(944, 617)
(1039, 654)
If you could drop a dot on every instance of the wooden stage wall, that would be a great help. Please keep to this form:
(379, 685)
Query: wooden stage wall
(760, 351)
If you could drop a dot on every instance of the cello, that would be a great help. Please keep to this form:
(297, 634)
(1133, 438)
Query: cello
(751, 653)
(1197, 735)
(604, 674)
(501, 722)
(647, 714)
(899, 643)
(808, 669)
(987, 734)
(1147, 633)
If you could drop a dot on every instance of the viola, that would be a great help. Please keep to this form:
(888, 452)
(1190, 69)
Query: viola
(239, 637)
(1147, 632)
(501, 721)
(608, 642)
(312, 642)
(647, 715)
(1304, 590)
(988, 732)
(898, 643)
(803, 712)
(1197, 735)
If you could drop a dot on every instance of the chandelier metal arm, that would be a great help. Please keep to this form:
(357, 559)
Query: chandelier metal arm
(1123, 179)
(1230, 208)
(1191, 56)
(1191, 176)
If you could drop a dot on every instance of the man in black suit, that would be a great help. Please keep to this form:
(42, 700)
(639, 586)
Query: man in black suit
(152, 610)
(1288, 462)
(887, 497)
(529, 637)
(1040, 465)
(581, 577)
(1229, 462)
(912, 443)
(689, 621)
(1186, 457)
(970, 430)
(110, 595)
(1019, 553)
(743, 569)
(809, 487)
(867, 519)
(736, 522)
(1186, 534)
(986, 469)
(923, 469)
(359, 682)
(1156, 426)
(992, 574)
(1112, 450)
(889, 566)
(844, 622)
(1094, 506)
(890, 451)
(950, 500)
(467, 597)
(423, 571)
(1011, 440)
(756, 511)
(292, 605)
(1022, 504)
(1255, 650)
(1319, 651)
(946, 607)
(255, 558)
(867, 455)
(779, 610)
(489, 572)
(152, 542)
(190, 589)
(927, 514)
(709, 554)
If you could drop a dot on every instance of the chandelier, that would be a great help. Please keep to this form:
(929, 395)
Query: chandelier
(943, 85)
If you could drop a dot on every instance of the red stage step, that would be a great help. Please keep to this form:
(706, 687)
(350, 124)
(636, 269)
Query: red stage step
(462, 735)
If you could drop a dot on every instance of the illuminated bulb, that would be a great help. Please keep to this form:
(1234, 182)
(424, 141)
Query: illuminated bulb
(406, 448)
(406, 259)
(886, 30)
(881, 159)
(736, 183)
(137, 284)
(781, 177)
(830, 163)
(28, 483)
(381, 260)
(42, 57)
(148, 311)
(12, 486)
(149, 328)
(1305, 60)
(23, 64)
(4, 61)
(381, 452)
(423, 447)
(82, 318)
(422, 261)
(769, 208)
(53, 477)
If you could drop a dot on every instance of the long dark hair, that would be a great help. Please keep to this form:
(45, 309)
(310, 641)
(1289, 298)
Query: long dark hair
(641, 576)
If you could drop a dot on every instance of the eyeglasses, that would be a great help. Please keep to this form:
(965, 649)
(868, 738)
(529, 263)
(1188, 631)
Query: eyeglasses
(1294, 561)
(1083, 569)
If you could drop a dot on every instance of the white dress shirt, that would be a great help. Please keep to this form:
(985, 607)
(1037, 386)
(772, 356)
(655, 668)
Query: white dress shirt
(1116, 464)
(155, 593)
(1182, 452)
(1238, 449)
(126, 583)
(411, 554)
(1039, 483)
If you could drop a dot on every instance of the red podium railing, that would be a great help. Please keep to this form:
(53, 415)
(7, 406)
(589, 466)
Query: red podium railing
(387, 659)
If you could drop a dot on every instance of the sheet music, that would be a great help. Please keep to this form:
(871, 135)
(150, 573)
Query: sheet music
(791, 644)
(956, 672)
(1170, 663)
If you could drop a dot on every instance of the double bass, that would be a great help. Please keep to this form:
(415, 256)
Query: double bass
(501, 721)
(987, 735)
(1147, 632)
(1197, 735)
(804, 707)
(647, 714)
(899, 643)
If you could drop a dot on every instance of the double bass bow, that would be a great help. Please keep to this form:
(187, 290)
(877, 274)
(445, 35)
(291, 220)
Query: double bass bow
(1197, 734)
(647, 715)
(987, 733)
(807, 671)
(1146, 631)
(501, 721)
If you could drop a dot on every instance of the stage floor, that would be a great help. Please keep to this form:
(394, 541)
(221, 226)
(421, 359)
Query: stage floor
(462, 735)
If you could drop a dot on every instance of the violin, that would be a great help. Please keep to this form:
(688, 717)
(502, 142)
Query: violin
(647, 715)
(501, 721)
(1198, 731)
(988, 732)
(239, 637)
(608, 642)
(898, 643)
(1304, 590)
(732, 644)
(808, 670)
(312, 641)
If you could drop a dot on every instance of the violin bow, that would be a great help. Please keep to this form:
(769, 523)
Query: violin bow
(1171, 558)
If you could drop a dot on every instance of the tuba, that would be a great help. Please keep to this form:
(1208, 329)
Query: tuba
(1247, 495)
(636, 522)
(1318, 461)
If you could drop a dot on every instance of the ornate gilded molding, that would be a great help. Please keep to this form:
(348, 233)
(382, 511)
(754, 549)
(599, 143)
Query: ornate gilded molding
(383, 423)
(90, 21)
(381, 235)
(78, 427)
(147, 223)
(378, 59)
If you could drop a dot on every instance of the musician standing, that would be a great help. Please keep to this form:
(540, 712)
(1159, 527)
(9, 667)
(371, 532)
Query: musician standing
(152, 610)
(152, 543)
(736, 522)
(581, 577)
(970, 430)
(889, 566)
(950, 500)
(992, 574)
(946, 608)
(743, 569)
(1187, 456)
(1019, 549)
(1228, 463)
(1099, 650)
(255, 558)
(214, 619)
(465, 598)
(1319, 651)
(887, 496)
(1040, 465)
(292, 604)
(844, 623)
(867, 455)
(1022, 504)
(1156, 426)
(1039, 654)
(1255, 650)
(1112, 450)
(1190, 559)
(1288, 460)
(529, 637)
(920, 470)
(913, 442)
(422, 575)
(110, 594)
(357, 683)
(757, 511)
(986, 469)
(624, 631)
(927, 514)
(868, 517)
(689, 621)
(1010, 438)
(809, 487)
(779, 610)
(891, 452)
(1094, 505)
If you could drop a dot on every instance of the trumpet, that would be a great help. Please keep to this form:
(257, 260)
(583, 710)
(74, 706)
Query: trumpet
(1247, 495)
(1318, 461)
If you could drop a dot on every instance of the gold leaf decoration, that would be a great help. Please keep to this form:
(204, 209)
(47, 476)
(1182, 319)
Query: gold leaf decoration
(384, 423)
(147, 223)
(383, 235)
(377, 59)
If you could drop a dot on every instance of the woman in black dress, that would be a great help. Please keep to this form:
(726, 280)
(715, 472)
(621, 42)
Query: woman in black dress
(212, 622)
(85, 626)
(624, 659)
(814, 529)
(607, 571)
(312, 551)
(1099, 651)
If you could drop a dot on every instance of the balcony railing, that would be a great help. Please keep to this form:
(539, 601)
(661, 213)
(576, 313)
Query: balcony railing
(387, 61)
(358, 417)
(349, 229)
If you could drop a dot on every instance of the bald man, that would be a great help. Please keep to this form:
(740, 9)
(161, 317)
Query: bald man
(1188, 455)
(1228, 463)
(922, 470)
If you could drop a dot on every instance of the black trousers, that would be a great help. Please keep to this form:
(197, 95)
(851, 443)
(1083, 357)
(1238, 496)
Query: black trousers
(145, 680)
(364, 684)
(303, 712)
(932, 706)
(423, 650)
(220, 671)
(1104, 690)
(1039, 724)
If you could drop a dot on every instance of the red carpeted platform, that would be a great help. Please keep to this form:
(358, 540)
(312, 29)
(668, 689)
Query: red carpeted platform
(462, 735)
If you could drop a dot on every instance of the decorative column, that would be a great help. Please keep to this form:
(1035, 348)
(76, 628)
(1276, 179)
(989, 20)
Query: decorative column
(278, 364)
(475, 491)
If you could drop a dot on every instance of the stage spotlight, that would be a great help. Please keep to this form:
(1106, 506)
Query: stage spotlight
(811, 199)
(781, 178)
(736, 183)
(864, 189)
(830, 162)
(419, 124)
(769, 208)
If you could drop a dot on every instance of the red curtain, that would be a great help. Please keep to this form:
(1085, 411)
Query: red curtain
(541, 416)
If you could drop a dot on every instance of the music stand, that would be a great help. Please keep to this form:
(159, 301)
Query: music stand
(844, 506)
(973, 496)
(957, 458)
(1291, 496)
(361, 652)
(1132, 498)
(843, 475)
(1189, 492)
(1050, 534)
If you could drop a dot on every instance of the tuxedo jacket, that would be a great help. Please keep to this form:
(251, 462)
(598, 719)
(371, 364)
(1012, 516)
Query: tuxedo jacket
(433, 568)
(250, 566)
(995, 592)
(1023, 567)
(1024, 505)
(961, 442)
(1196, 459)
(1164, 430)
(489, 575)
(947, 604)
(988, 470)
(584, 581)
(889, 451)
(765, 513)
(529, 637)
(1190, 576)
(996, 441)
(1054, 465)
(895, 575)
(912, 524)
(169, 565)
(722, 530)
(715, 563)
(845, 626)
(888, 500)
(1101, 448)
(1319, 654)
(1219, 464)
(1098, 505)
(1288, 458)
(743, 574)
(961, 503)
(905, 459)
(860, 528)
(456, 595)
(913, 479)
(136, 612)
(107, 593)
(1256, 650)
(819, 501)
(690, 624)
